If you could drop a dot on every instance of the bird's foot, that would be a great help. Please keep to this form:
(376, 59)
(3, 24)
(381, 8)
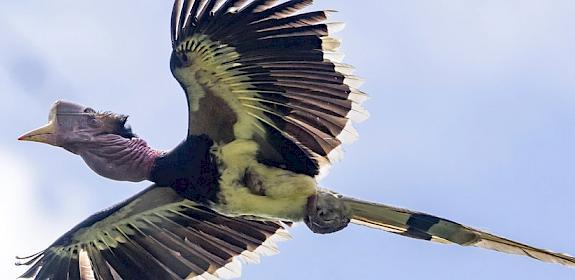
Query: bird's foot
(326, 213)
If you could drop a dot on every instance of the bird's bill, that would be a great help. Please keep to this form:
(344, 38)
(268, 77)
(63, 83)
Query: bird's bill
(43, 134)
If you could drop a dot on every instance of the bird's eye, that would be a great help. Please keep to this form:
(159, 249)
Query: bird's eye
(89, 111)
(92, 121)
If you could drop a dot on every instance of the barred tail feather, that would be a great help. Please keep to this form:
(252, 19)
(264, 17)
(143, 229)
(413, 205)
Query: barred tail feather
(427, 227)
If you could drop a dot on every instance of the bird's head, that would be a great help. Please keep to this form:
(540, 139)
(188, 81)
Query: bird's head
(72, 125)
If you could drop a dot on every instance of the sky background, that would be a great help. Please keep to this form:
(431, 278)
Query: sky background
(472, 119)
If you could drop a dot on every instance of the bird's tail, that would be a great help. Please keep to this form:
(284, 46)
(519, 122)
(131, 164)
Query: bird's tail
(427, 227)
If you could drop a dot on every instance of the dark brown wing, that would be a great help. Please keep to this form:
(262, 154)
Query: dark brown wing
(156, 235)
(259, 70)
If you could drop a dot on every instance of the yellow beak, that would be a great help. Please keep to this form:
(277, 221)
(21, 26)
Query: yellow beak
(43, 134)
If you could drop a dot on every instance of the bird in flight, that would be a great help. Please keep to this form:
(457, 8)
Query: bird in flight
(270, 104)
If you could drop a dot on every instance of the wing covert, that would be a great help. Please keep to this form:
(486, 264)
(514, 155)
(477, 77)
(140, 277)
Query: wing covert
(260, 70)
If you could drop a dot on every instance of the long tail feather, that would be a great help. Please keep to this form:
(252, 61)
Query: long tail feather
(427, 227)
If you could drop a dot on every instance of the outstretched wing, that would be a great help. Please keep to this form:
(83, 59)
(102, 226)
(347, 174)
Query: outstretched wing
(156, 235)
(255, 69)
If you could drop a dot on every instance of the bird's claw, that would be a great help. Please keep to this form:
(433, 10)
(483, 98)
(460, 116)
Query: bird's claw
(326, 213)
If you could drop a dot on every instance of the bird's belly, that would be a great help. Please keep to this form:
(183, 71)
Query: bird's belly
(249, 188)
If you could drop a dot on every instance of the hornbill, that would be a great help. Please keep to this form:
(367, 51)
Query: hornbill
(270, 104)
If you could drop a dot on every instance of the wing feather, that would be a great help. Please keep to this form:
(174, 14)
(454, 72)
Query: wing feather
(272, 73)
(156, 235)
(99, 264)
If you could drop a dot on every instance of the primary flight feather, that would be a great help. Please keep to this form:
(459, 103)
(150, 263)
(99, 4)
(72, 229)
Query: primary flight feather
(270, 104)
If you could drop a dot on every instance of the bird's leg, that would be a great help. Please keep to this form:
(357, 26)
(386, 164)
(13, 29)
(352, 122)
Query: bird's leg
(326, 212)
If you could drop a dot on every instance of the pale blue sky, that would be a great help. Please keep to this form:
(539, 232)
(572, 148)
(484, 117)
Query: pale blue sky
(472, 118)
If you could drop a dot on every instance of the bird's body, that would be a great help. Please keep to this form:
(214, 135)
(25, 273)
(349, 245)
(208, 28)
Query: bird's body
(229, 179)
(270, 105)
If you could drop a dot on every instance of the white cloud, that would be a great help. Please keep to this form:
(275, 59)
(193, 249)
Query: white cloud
(20, 217)
(27, 226)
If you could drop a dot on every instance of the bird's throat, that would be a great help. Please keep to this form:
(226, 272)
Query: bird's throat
(120, 158)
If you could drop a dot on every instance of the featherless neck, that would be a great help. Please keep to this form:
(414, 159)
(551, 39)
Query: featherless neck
(119, 158)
